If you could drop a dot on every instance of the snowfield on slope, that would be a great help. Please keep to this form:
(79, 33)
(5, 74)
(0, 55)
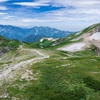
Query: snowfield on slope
(95, 36)
(88, 40)
(73, 47)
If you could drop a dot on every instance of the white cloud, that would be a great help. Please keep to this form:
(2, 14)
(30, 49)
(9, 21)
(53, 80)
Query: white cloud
(31, 20)
(80, 9)
(74, 10)
(33, 4)
(7, 17)
(76, 3)
(3, 8)
(1, 13)
(75, 15)
(3, 0)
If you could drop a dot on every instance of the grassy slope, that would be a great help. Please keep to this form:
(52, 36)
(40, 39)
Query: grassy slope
(6, 44)
(44, 44)
(67, 40)
(61, 77)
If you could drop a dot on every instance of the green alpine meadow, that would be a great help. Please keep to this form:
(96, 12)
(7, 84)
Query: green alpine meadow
(49, 49)
(44, 71)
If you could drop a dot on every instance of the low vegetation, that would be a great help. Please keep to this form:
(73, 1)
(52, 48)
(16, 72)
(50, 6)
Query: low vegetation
(63, 76)
(6, 45)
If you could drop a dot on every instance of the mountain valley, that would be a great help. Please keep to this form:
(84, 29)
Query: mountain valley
(53, 68)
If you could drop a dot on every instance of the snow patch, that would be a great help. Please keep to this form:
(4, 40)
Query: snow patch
(36, 31)
(50, 39)
(95, 36)
(73, 47)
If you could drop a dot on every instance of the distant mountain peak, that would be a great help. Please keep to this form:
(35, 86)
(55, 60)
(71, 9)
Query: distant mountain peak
(32, 34)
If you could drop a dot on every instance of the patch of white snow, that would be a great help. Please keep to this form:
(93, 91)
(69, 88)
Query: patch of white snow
(73, 47)
(36, 31)
(95, 36)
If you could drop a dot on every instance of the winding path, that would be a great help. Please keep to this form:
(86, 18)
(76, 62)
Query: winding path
(9, 69)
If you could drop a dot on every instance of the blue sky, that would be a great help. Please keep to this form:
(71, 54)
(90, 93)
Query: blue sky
(72, 15)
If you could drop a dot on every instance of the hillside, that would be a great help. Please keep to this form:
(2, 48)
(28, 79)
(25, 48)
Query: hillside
(83, 39)
(6, 45)
(44, 74)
